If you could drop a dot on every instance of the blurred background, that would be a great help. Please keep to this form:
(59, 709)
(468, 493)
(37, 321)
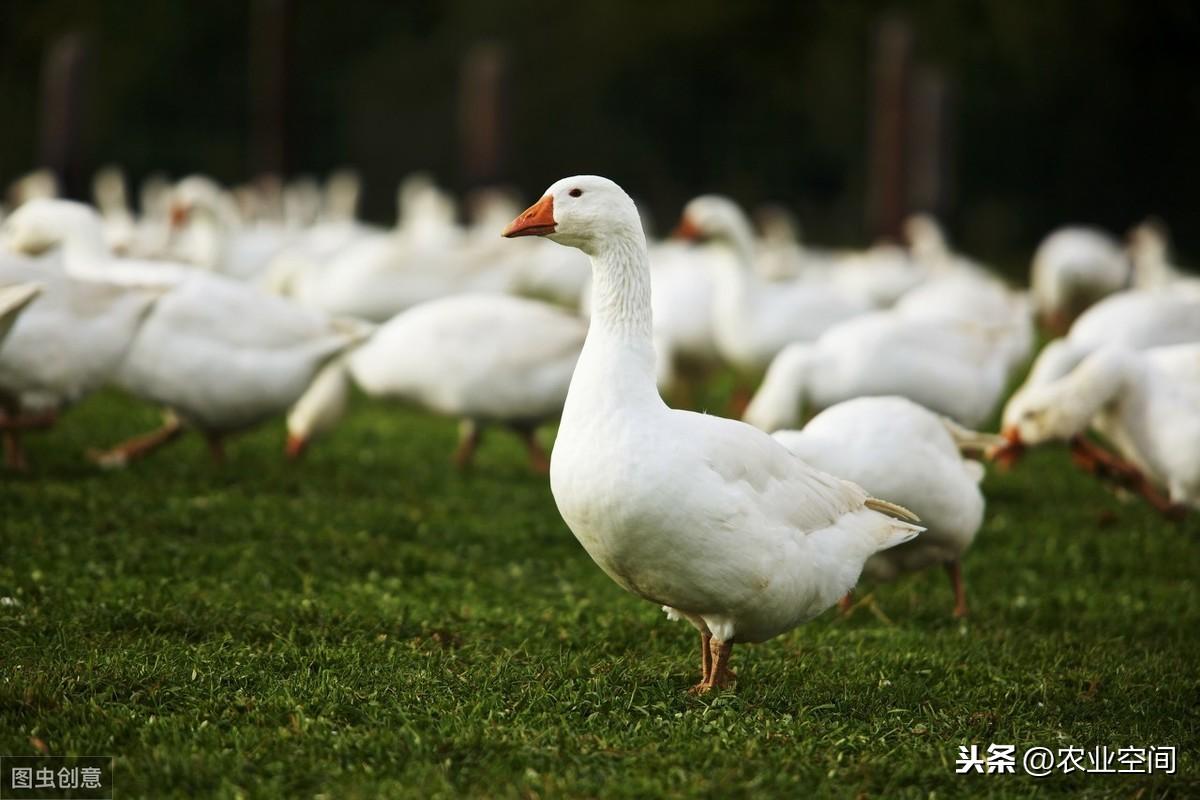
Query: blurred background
(1004, 118)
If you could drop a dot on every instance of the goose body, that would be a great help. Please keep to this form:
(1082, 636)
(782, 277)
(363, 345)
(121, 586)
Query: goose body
(952, 367)
(1145, 403)
(226, 357)
(72, 341)
(708, 517)
(491, 357)
(485, 359)
(1072, 268)
(894, 448)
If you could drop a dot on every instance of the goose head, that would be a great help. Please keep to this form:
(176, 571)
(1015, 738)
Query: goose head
(716, 218)
(41, 224)
(319, 409)
(200, 196)
(587, 212)
(1040, 414)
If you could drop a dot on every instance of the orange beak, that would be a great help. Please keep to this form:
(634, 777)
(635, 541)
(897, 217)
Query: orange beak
(537, 220)
(687, 230)
(1007, 455)
(296, 445)
(179, 215)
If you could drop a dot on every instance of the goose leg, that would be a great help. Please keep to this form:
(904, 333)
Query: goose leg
(846, 603)
(720, 675)
(1095, 459)
(469, 434)
(954, 570)
(1106, 465)
(12, 422)
(539, 462)
(138, 447)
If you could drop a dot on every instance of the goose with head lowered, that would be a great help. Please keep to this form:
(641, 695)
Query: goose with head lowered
(707, 517)
(1145, 403)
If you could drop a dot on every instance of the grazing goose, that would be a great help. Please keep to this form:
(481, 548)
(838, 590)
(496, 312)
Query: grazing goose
(222, 355)
(953, 367)
(1073, 268)
(894, 448)
(754, 319)
(485, 359)
(63, 347)
(1134, 318)
(707, 517)
(1145, 403)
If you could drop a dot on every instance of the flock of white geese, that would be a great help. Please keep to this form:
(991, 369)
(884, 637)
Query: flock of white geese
(230, 307)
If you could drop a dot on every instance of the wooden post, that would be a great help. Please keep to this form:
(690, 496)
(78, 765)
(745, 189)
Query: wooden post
(482, 115)
(887, 189)
(931, 141)
(269, 63)
(66, 73)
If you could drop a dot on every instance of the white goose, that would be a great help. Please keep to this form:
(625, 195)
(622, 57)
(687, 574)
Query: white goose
(708, 517)
(219, 353)
(955, 368)
(894, 448)
(1072, 268)
(754, 319)
(1134, 318)
(485, 359)
(1146, 404)
(63, 347)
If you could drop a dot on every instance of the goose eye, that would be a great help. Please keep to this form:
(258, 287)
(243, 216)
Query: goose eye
(575, 192)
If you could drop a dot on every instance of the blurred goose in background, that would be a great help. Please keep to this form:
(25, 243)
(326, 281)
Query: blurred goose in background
(1133, 319)
(881, 274)
(952, 367)
(64, 346)
(35, 185)
(979, 301)
(484, 359)
(706, 516)
(120, 228)
(894, 448)
(1152, 269)
(1144, 403)
(222, 355)
(208, 231)
(929, 248)
(1073, 268)
(755, 319)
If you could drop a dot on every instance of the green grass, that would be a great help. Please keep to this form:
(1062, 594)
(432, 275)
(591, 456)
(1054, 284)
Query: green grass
(372, 624)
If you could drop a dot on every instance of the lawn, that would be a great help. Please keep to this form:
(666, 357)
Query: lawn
(371, 623)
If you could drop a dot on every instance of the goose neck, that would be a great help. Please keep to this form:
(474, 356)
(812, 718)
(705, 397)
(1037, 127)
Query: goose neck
(621, 290)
